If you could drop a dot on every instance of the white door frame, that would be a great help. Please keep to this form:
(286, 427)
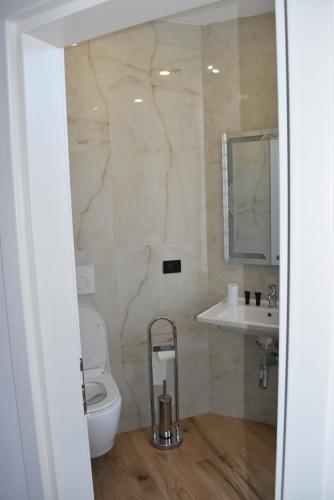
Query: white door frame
(47, 271)
(44, 229)
(309, 412)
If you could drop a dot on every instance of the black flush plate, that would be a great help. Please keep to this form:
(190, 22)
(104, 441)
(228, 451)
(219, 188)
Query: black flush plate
(171, 266)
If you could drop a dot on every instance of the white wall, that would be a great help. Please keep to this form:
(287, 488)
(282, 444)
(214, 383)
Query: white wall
(310, 76)
(12, 486)
(10, 8)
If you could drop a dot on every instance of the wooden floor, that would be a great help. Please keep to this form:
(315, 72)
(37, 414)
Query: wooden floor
(221, 458)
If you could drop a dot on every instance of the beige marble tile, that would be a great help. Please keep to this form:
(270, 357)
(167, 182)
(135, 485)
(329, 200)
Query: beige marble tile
(234, 365)
(138, 192)
(146, 186)
(241, 97)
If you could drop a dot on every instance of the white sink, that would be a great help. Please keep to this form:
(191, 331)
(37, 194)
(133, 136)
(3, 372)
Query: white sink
(249, 320)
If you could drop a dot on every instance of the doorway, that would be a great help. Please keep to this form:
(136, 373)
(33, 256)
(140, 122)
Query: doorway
(29, 211)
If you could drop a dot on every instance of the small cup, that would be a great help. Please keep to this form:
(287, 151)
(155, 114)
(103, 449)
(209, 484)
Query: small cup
(247, 297)
(257, 298)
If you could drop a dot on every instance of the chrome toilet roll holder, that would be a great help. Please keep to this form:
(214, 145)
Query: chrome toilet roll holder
(167, 435)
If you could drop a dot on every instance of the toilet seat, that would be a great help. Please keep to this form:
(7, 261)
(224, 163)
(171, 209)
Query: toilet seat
(108, 383)
(103, 398)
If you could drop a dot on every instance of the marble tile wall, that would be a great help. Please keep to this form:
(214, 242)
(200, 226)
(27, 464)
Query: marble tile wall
(146, 186)
(241, 97)
(138, 195)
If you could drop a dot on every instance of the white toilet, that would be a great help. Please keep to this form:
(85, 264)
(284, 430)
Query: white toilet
(102, 394)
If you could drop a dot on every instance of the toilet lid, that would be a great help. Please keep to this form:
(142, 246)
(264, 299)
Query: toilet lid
(93, 334)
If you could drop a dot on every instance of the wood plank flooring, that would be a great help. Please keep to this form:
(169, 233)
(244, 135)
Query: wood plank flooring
(221, 458)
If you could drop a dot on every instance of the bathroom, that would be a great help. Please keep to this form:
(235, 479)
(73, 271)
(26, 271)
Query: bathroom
(147, 109)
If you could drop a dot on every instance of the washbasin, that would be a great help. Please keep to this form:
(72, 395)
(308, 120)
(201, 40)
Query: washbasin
(251, 320)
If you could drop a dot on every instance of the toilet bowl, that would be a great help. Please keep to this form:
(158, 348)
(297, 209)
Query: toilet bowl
(102, 395)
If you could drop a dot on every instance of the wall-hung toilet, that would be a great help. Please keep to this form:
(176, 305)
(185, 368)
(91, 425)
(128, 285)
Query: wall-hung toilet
(102, 394)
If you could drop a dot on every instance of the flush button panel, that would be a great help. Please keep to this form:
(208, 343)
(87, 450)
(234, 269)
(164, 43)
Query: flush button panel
(171, 266)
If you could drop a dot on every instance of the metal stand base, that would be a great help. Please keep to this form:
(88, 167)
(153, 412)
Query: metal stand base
(167, 444)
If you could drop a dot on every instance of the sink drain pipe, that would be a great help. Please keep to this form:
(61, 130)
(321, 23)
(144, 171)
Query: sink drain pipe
(269, 359)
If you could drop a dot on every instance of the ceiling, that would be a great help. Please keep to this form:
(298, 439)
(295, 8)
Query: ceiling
(68, 22)
(223, 10)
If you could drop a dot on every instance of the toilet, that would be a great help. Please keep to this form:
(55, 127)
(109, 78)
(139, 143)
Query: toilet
(102, 395)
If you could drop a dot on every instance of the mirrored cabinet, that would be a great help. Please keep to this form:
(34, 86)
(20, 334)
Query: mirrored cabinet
(251, 197)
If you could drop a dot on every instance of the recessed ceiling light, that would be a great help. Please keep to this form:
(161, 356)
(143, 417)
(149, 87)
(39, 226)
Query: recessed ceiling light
(215, 70)
(74, 44)
(164, 72)
(210, 67)
(138, 99)
(95, 108)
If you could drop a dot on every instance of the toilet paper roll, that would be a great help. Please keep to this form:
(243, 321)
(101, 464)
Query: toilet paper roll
(165, 355)
(159, 364)
(232, 294)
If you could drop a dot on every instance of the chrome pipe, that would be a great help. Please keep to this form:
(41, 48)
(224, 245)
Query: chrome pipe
(176, 378)
(149, 328)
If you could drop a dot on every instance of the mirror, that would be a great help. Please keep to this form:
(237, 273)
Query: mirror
(250, 197)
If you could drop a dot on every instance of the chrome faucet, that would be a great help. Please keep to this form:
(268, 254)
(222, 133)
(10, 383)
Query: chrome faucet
(272, 295)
